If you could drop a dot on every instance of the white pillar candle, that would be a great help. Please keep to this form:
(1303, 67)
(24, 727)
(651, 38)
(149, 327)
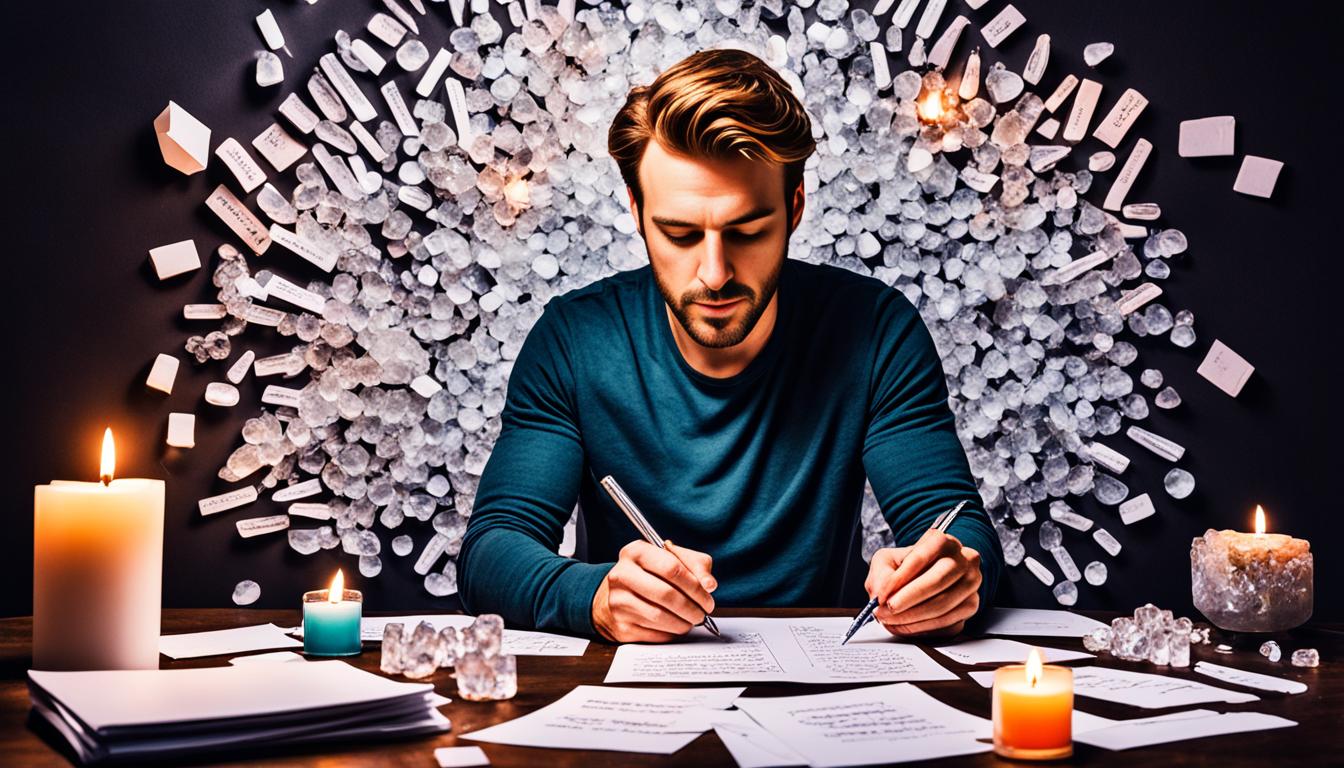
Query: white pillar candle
(97, 572)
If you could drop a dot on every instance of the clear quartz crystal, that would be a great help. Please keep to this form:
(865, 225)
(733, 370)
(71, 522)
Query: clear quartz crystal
(1179, 648)
(392, 654)
(1306, 657)
(1095, 573)
(1241, 587)
(1098, 639)
(1271, 650)
(1179, 483)
(246, 592)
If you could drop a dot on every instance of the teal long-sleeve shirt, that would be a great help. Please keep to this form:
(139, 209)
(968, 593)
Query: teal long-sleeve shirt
(763, 470)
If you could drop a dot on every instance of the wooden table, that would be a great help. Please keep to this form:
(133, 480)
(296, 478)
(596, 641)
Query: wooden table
(1318, 740)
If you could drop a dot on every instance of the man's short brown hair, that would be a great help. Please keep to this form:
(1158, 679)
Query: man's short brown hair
(715, 104)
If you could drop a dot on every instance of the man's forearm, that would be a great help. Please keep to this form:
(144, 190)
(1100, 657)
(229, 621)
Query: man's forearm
(511, 573)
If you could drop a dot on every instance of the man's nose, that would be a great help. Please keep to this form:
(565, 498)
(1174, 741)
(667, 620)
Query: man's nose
(714, 270)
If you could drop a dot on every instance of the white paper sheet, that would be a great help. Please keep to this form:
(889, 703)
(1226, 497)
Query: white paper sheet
(517, 642)
(147, 697)
(1039, 622)
(194, 644)
(879, 724)
(275, 657)
(609, 718)
(1149, 691)
(983, 678)
(767, 649)
(460, 757)
(993, 650)
(1249, 679)
(751, 745)
(1178, 726)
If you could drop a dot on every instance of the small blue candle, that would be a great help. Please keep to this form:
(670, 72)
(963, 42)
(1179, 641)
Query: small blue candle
(331, 620)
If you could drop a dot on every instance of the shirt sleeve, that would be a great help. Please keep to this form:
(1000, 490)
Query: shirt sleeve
(508, 563)
(912, 455)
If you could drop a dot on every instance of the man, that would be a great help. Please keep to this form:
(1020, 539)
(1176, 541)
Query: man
(740, 398)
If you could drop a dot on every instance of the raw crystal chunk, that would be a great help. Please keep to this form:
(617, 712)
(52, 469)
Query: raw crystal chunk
(421, 653)
(1098, 639)
(1002, 84)
(1306, 657)
(1101, 161)
(1168, 398)
(1095, 573)
(401, 545)
(441, 584)
(304, 540)
(246, 592)
(1062, 513)
(1095, 53)
(1066, 593)
(392, 654)
(1108, 490)
(1167, 449)
(1050, 535)
(270, 70)
(1142, 211)
(1179, 483)
(1271, 650)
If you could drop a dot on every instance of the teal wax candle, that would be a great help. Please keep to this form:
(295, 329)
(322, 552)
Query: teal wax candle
(332, 628)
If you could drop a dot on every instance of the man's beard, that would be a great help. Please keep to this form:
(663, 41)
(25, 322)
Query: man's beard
(722, 331)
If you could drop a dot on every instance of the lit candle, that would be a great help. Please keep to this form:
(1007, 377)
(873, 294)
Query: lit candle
(331, 620)
(1252, 582)
(1033, 710)
(97, 571)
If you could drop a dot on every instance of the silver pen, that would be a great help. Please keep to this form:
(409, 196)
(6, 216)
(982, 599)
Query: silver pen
(645, 529)
(866, 615)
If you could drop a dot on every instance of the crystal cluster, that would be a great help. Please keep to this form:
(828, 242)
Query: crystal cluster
(1252, 582)
(449, 235)
(1151, 634)
(483, 672)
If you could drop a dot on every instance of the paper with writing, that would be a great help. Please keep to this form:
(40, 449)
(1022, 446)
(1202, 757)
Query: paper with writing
(1141, 689)
(256, 638)
(238, 218)
(1040, 622)
(994, 650)
(609, 718)
(878, 724)
(1249, 679)
(767, 649)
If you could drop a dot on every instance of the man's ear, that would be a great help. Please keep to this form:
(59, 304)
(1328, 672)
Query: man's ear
(797, 207)
(634, 210)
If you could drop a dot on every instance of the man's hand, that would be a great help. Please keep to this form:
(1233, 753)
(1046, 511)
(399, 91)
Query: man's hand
(931, 588)
(654, 595)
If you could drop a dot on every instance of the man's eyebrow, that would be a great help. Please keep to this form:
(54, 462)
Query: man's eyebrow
(752, 215)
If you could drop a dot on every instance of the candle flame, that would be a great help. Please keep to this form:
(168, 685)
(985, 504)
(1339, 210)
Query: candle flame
(931, 108)
(337, 587)
(1034, 671)
(109, 463)
(1259, 520)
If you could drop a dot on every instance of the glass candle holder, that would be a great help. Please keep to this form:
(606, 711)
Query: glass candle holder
(332, 629)
(1033, 720)
(1252, 582)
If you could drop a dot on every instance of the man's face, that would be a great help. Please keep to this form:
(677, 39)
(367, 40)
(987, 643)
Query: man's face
(717, 235)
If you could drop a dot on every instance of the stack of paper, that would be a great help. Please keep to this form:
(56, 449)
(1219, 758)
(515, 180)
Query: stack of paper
(141, 715)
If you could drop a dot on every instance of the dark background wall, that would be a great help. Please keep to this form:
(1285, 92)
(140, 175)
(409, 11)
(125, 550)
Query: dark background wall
(90, 195)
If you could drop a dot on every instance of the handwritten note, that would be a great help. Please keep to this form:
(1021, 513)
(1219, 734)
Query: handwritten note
(999, 651)
(609, 718)
(1249, 679)
(1039, 622)
(1141, 689)
(760, 649)
(879, 724)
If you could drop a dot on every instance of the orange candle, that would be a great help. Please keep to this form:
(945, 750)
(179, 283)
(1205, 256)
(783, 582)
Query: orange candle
(1033, 710)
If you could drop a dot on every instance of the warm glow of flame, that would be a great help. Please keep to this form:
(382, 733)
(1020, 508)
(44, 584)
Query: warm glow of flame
(108, 467)
(1034, 670)
(1259, 519)
(337, 587)
(931, 108)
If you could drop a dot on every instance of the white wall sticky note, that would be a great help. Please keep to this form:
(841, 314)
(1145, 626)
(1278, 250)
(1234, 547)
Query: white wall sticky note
(175, 258)
(1225, 369)
(183, 140)
(162, 374)
(182, 430)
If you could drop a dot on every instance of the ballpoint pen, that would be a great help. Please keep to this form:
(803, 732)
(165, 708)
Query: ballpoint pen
(866, 615)
(645, 529)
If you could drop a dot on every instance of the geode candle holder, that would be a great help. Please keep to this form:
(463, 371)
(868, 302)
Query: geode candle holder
(1251, 582)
